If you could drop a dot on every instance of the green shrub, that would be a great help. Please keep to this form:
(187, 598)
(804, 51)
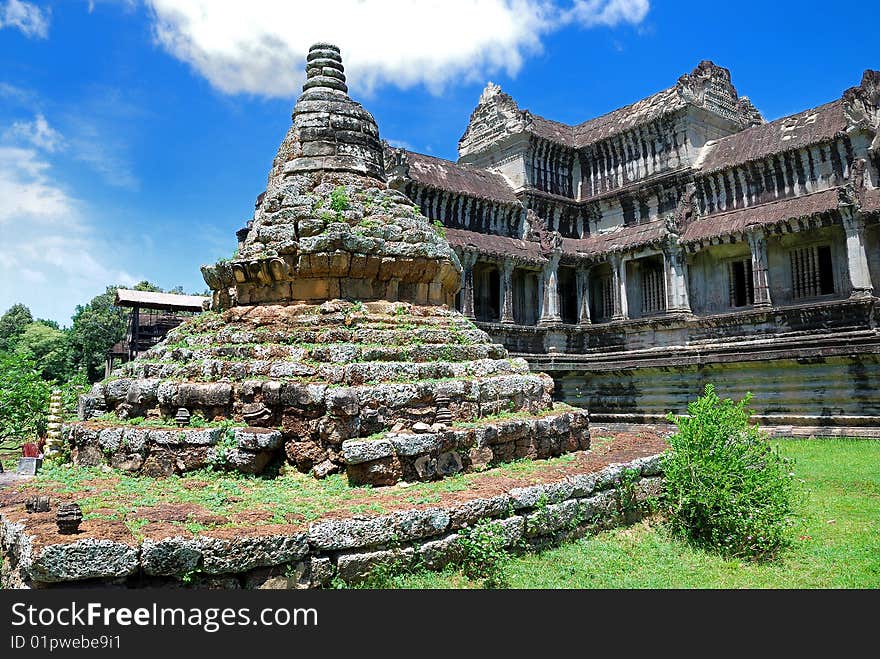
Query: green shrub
(24, 401)
(726, 488)
(339, 199)
(482, 554)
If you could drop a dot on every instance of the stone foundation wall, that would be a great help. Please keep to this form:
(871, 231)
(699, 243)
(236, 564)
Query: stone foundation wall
(425, 456)
(814, 365)
(166, 451)
(821, 393)
(346, 548)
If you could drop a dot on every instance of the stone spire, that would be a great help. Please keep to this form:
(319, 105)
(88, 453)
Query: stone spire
(327, 226)
(331, 132)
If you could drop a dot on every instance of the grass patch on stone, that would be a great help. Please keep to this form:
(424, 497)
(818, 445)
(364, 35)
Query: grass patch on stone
(247, 501)
(837, 543)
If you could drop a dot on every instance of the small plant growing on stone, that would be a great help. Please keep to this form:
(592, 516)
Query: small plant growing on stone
(483, 554)
(439, 228)
(339, 199)
(726, 488)
(626, 492)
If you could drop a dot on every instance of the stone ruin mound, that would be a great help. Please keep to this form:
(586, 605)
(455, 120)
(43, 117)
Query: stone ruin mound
(331, 343)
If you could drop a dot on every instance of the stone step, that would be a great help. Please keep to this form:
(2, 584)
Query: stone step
(212, 370)
(369, 336)
(337, 353)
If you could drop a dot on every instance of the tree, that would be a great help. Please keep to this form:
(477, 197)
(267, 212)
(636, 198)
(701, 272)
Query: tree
(96, 327)
(24, 400)
(12, 324)
(49, 349)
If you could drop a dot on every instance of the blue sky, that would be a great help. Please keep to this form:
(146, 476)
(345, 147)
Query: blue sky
(135, 134)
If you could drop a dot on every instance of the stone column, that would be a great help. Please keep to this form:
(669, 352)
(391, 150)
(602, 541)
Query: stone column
(582, 276)
(507, 292)
(550, 306)
(618, 287)
(760, 278)
(468, 259)
(856, 257)
(675, 271)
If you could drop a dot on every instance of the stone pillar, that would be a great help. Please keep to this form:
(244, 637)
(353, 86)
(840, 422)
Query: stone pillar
(618, 287)
(468, 259)
(675, 271)
(582, 276)
(760, 278)
(550, 303)
(507, 292)
(856, 257)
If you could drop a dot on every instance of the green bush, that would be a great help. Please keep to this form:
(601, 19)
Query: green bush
(482, 554)
(24, 401)
(339, 199)
(726, 488)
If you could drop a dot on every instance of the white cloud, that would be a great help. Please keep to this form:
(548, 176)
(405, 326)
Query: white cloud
(27, 17)
(50, 258)
(37, 132)
(258, 46)
(26, 191)
(609, 12)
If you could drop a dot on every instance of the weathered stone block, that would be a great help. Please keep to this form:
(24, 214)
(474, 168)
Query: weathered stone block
(175, 556)
(221, 556)
(257, 439)
(83, 559)
(356, 451)
(471, 511)
(552, 518)
(355, 567)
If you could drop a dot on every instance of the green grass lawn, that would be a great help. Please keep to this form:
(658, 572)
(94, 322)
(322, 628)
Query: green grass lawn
(835, 545)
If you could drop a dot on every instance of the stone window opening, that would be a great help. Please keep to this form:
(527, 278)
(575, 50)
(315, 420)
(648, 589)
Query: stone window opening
(741, 283)
(487, 288)
(525, 296)
(568, 295)
(812, 272)
(653, 290)
(602, 298)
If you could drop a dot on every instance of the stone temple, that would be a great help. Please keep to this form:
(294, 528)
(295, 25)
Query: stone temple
(331, 343)
(677, 241)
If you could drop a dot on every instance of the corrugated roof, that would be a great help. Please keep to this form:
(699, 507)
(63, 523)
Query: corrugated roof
(722, 224)
(447, 175)
(793, 132)
(126, 297)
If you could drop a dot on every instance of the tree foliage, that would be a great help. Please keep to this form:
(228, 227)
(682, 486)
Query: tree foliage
(24, 400)
(12, 324)
(47, 347)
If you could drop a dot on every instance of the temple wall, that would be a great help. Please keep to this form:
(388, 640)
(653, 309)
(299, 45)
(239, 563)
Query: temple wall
(709, 279)
(833, 391)
(780, 273)
(780, 176)
(810, 364)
